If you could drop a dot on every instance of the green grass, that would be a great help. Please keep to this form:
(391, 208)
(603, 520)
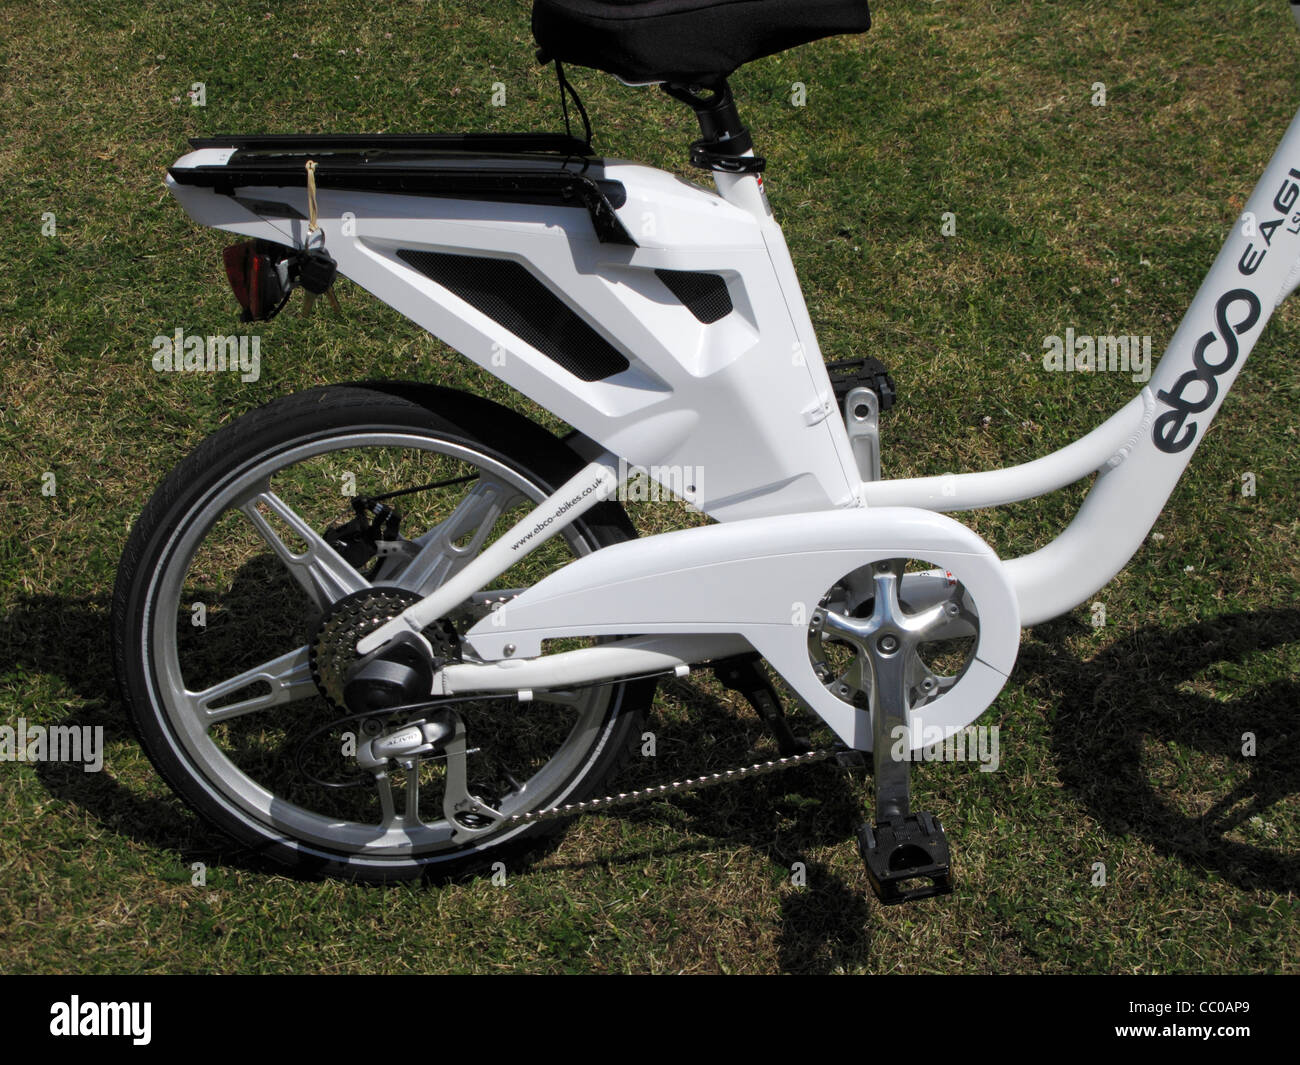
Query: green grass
(1119, 745)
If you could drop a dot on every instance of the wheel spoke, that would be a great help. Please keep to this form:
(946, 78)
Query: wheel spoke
(324, 574)
(289, 677)
(412, 815)
(388, 818)
(440, 556)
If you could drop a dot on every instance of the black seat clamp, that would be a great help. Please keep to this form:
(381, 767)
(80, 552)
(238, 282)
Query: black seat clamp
(725, 140)
(706, 156)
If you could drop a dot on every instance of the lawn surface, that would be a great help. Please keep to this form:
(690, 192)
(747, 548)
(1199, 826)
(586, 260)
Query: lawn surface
(1120, 744)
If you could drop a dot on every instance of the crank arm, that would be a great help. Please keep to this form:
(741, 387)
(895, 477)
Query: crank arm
(906, 852)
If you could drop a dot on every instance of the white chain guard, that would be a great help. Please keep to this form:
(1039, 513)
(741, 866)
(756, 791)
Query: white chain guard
(762, 579)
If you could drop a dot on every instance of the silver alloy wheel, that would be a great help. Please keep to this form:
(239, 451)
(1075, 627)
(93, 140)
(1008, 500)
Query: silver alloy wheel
(194, 714)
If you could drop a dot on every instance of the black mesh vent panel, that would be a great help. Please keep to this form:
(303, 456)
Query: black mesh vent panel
(705, 295)
(507, 293)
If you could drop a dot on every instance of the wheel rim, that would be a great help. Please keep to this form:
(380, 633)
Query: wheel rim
(211, 721)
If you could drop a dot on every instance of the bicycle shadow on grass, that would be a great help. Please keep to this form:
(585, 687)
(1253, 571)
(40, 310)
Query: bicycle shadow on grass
(1144, 706)
(782, 816)
(825, 922)
(69, 638)
(1106, 709)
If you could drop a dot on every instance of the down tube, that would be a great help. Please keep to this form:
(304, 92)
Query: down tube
(1201, 363)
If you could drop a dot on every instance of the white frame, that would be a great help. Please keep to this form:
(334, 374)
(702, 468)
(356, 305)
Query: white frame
(748, 400)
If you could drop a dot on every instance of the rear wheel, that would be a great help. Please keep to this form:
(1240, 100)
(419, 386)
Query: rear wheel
(240, 560)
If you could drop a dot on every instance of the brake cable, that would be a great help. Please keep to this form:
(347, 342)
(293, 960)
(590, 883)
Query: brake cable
(420, 488)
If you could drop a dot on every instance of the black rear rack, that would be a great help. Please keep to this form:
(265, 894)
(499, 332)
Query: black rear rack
(373, 163)
(437, 143)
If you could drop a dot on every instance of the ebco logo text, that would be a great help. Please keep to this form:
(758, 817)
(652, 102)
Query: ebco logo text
(1176, 428)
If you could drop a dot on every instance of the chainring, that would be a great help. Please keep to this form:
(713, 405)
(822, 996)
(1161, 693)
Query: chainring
(847, 674)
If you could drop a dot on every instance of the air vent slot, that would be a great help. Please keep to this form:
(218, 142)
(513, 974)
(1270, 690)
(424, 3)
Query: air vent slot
(512, 297)
(704, 295)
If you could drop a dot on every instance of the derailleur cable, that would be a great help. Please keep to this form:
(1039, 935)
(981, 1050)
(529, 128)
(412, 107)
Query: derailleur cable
(419, 488)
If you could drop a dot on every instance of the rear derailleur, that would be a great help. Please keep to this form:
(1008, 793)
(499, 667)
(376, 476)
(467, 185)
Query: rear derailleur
(397, 680)
(440, 734)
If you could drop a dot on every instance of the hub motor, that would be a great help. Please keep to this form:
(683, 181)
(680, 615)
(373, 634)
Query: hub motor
(397, 674)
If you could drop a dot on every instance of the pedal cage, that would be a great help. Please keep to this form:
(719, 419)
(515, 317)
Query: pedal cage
(865, 372)
(904, 849)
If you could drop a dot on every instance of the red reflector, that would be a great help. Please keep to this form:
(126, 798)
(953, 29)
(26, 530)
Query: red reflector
(236, 259)
(255, 286)
(253, 267)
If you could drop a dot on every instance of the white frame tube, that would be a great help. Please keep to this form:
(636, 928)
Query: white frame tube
(637, 656)
(593, 484)
(1142, 451)
(1139, 455)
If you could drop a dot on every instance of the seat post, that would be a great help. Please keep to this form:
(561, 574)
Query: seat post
(725, 141)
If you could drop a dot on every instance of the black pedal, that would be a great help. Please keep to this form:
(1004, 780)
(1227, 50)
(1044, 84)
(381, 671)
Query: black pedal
(906, 849)
(866, 372)
(316, 270)
(851, 761)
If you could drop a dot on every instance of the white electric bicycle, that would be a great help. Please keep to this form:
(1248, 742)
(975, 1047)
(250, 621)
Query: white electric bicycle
(387, 629)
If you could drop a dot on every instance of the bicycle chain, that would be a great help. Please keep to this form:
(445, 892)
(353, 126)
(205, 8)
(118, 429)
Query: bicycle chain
(627, 798)
(342, 628)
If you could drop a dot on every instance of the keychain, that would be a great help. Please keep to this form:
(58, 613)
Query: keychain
(316, 268)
